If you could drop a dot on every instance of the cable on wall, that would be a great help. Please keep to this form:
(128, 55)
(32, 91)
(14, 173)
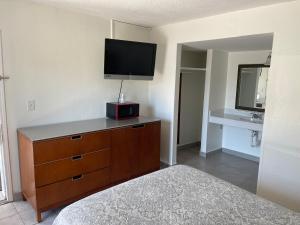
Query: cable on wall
(120, 91)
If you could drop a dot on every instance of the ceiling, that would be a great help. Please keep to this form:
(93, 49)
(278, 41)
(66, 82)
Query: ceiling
(236, 44)
(157, 12)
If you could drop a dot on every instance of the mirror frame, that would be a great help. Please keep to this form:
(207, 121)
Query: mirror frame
(240, 67)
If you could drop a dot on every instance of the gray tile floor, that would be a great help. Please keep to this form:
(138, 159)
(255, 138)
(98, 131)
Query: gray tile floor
(21, 213)
(238, 171)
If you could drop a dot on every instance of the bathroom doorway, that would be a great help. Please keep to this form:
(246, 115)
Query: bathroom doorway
(230, 138)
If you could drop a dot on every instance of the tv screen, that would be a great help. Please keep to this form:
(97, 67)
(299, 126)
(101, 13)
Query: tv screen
(129, 60)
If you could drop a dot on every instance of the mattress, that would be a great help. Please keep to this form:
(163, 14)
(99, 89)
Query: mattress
(176, 195)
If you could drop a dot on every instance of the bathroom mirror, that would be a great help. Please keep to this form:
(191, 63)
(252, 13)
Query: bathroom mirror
(251, 87)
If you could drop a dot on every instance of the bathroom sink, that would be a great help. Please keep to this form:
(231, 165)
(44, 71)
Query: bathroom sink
(252, 120)
(236, 121)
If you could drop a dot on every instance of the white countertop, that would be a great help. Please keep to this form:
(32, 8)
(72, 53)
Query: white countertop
(224, 117)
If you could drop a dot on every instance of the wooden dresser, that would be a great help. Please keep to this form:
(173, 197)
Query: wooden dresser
(62, 163)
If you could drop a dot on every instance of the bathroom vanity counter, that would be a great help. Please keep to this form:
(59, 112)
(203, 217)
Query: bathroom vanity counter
(223, 117)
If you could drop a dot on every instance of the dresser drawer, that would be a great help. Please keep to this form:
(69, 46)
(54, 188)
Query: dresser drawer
(71, 188)
(62, 169)
(59, 148)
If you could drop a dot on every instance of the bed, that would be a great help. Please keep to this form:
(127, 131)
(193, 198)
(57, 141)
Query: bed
(175, 195)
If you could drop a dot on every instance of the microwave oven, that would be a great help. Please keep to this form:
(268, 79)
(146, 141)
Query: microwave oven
(118, 111)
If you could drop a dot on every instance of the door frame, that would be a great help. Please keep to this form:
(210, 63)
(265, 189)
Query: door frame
(6, 173)
(205, 111)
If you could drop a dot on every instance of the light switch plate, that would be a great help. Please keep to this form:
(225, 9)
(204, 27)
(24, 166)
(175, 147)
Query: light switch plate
(31, 105)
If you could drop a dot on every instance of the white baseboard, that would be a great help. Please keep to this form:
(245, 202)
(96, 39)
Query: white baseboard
(241, 154)
(190, 145)
(165, 162)
(206, 154)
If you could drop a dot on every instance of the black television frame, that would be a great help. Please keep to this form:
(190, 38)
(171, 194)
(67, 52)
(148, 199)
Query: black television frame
(130, 76)
(237, 95)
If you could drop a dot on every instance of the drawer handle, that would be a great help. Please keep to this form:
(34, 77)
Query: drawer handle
(77, 157)
(76, 137)
(78, 177)
(138, 126)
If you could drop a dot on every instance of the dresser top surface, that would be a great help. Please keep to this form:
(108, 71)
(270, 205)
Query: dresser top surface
(43, 132)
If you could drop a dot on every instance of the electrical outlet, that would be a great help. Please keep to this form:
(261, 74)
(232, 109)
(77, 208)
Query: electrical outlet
(31, 105)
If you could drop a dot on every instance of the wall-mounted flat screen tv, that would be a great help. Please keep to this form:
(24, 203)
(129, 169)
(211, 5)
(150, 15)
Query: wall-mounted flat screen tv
(129, 60)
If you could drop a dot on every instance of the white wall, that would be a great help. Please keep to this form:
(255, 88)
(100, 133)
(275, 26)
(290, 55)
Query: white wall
(282, 122)
(55, 57)
(131, 32)
(235, 138)
(218, 76)
(192, 93)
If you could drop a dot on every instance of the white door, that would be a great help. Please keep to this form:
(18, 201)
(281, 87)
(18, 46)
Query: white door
(6, 183)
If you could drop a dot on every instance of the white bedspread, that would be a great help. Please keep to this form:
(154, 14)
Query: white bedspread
(176, 195)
